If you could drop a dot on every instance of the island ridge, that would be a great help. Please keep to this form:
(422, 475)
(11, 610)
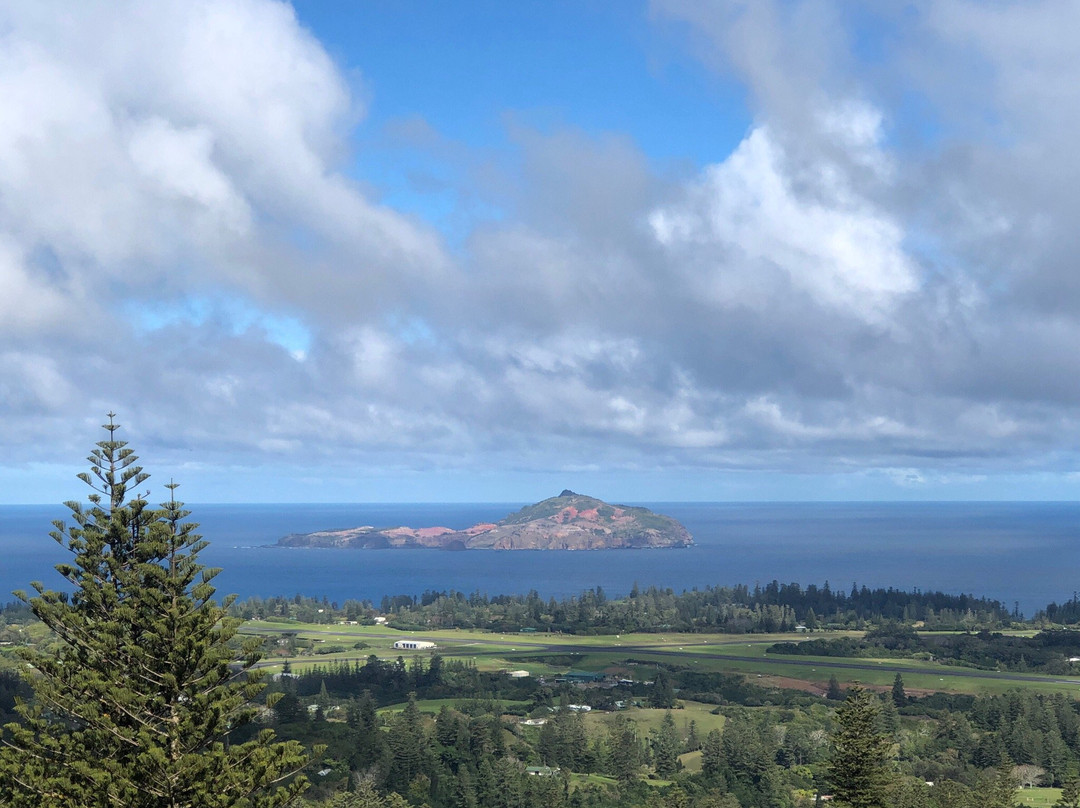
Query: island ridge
(567, 522)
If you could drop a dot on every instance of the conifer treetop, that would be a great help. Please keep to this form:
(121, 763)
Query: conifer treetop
(135, 706)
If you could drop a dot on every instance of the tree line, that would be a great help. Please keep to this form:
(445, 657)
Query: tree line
(772, 608)
(1049, 651)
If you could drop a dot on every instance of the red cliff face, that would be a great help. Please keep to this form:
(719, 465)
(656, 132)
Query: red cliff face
(567, 522)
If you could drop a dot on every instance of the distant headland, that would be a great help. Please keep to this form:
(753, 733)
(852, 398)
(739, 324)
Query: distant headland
(567, 522)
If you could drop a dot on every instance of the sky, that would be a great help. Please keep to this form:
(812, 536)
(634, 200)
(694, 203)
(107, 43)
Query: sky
(652, 251)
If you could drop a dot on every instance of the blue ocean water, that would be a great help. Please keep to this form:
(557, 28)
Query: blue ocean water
(1025, 552)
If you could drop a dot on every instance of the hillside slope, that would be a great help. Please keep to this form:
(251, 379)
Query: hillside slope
(567, 522)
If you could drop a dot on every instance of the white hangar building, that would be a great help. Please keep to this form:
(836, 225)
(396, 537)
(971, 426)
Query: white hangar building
(413, 645)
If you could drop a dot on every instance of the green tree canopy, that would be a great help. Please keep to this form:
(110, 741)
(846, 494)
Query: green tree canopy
(134, 707)
(666, 745)
(663, 691)
(859, 768)
(899, 697)
(1070, 794)
(834, 693)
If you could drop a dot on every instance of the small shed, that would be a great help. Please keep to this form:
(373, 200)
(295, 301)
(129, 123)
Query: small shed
(541, 771)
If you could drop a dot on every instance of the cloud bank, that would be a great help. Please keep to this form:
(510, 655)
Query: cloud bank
(878, 280)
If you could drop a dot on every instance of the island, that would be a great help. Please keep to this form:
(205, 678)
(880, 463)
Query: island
(567, 522)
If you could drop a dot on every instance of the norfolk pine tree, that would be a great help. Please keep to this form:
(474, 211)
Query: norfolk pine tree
(666, 747)
(860, 766)
(1070, 793)
(899, 697)
(134, 707)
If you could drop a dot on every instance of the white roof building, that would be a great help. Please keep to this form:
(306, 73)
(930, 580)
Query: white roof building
(413, 645)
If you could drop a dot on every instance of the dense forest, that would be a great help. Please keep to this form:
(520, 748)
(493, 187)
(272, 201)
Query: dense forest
(775, 749)
(775, 607)
(429, 731)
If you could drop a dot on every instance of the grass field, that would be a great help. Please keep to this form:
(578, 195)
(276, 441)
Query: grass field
(648, 719)
(744, 654)
(1038, 797)
(593, 779)
(433, 706)
(691, 761)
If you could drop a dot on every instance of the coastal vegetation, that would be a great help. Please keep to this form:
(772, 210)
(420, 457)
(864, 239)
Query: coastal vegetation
(774, 607)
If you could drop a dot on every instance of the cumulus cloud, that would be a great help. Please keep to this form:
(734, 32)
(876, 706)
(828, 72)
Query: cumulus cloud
(834, 246)
(179, 143)
(941, 165)
(152, 159)
(853, 287)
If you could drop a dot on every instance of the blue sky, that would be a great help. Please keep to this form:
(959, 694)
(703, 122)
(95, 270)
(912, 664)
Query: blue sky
(467, 69)
(664, 250)
(477, 72)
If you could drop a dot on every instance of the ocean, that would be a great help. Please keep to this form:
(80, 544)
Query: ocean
(1018, 552)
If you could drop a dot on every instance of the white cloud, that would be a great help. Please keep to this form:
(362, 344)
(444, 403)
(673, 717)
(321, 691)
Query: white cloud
(906, 478)
(760, 231)
(29, 304)
(173, 143)
(180, 240)
(375, 355)
(178, 164)
(32, 383)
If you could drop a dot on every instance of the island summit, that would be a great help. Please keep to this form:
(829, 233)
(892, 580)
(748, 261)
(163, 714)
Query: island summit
(567, 522)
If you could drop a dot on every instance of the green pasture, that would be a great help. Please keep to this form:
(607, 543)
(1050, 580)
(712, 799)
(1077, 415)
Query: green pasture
(456, 636)
(1038, 797)
(944, 679)
(691, 761)
(433, 706)
(648, 719)
(709, 653)
(591, 779)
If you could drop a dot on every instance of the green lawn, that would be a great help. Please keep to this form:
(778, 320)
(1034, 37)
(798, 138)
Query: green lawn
(1038, 797)
(592, 779)
(691, 761)
(648, 719)
(434, 705)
